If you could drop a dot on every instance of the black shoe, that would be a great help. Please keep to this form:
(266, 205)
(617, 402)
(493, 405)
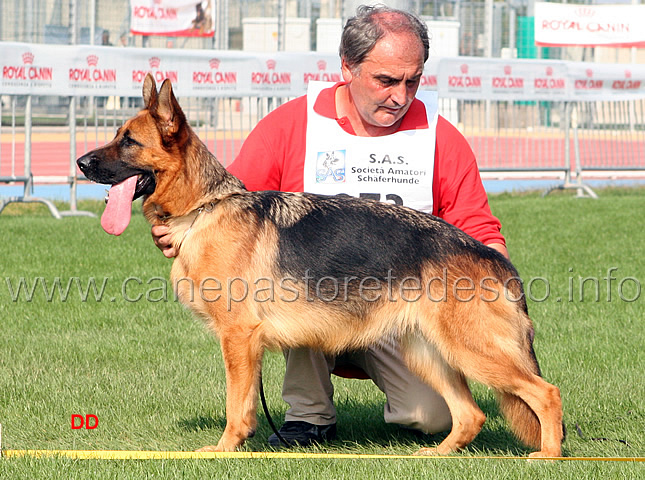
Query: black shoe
(303, 434)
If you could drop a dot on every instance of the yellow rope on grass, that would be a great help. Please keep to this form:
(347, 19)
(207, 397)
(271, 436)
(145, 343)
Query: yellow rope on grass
(166, 455)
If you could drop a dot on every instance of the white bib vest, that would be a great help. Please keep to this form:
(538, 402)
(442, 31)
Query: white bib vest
(395, 168)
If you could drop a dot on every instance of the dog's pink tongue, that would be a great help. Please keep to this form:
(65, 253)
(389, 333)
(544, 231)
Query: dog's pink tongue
(118, 210)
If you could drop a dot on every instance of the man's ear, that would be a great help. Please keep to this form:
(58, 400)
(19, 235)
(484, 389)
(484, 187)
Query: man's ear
(168, 111)
(346, 70)
(149, 91)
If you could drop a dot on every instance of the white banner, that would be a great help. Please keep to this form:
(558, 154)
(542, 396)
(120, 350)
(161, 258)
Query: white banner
(473, 78)
(86, 70)
(176, 18)
(559, 24)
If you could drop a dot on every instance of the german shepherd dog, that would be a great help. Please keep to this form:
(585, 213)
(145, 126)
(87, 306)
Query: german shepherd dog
(280, 270)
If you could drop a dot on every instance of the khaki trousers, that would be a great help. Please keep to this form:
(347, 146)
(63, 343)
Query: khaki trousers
(410, 402)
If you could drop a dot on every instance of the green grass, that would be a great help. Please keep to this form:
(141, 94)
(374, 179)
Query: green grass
(153, 375)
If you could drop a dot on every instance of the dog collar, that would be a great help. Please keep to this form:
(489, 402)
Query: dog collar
(208, 208)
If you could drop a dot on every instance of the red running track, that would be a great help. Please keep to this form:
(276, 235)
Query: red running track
(52, 158)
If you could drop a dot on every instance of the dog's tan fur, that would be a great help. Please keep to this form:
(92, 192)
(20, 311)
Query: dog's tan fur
(220, 235)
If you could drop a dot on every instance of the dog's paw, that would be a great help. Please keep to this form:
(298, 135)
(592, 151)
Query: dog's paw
(208, 448)
(428, 452)
(541, 454)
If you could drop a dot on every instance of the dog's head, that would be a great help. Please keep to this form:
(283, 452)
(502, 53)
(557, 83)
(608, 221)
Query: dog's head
(144, 159)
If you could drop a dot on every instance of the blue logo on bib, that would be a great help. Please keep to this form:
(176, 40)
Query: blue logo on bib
(330, 167)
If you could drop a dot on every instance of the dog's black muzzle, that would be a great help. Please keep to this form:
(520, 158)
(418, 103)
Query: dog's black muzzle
(98, 170)
(90, 163)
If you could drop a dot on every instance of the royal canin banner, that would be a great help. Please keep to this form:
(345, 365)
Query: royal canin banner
(86, 70)
(175, 18)
(474, 78)
(559, 25)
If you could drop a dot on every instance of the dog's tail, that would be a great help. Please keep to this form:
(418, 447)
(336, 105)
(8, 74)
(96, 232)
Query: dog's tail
(522, 420)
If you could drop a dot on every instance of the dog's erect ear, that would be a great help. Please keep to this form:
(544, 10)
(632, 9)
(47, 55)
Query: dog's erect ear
(168, 110)
(149, 91)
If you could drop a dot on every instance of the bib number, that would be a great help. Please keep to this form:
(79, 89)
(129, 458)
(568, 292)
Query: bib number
(390, 197)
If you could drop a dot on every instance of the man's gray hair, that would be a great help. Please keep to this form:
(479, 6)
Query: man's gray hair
(370, 24)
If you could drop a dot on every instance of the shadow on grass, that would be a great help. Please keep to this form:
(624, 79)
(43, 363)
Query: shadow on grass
(361, 425)
(200, 423)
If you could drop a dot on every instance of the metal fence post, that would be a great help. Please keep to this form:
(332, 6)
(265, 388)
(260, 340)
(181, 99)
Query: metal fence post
(581, 187)
(571, 120)
(73, 182)
(27, 178)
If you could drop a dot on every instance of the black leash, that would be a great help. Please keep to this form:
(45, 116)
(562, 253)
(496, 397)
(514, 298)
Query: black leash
(600, 439)
(268, 415)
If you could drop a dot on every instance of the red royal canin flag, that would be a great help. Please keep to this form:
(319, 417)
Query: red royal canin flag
(173, 18)
(559, 25)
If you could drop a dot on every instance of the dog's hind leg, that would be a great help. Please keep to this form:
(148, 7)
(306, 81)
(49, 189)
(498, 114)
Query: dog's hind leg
(507, 363)
(532, 406)
(242, 355)
(467, 418)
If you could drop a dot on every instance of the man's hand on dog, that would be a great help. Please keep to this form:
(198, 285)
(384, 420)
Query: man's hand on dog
(162, 241)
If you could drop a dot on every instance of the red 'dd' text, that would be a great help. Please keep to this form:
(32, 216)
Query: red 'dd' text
(89, 422)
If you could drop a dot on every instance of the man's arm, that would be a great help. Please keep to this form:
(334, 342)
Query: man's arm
(459, 195)
(500, 248)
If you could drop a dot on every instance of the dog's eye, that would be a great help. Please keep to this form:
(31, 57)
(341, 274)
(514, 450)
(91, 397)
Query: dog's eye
(128, 141)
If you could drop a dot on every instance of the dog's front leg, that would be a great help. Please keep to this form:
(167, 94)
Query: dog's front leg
(243, 361)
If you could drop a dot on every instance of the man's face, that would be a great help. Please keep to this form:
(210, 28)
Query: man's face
(383, 86)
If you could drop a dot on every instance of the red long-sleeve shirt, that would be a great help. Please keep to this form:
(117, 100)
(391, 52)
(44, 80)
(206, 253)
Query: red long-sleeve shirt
(273, 157)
